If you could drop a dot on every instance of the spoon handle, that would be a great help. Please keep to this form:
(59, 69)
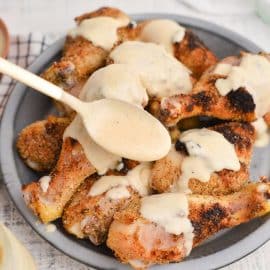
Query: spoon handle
(38, 83)
(30, 79)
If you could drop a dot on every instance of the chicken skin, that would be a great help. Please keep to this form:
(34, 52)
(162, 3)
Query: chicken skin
(205, 100)
(166, 172)
(141, 243)
(39, 144)
(48, 196)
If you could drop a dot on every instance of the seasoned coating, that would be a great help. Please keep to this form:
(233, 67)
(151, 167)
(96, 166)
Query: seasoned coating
(70, 171)
(142, 243)
(191, 51)
(39, 144)
(167, 171)
(90, 217)
(205, 100)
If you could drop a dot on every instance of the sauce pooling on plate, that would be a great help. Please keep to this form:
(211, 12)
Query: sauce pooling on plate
(101, 31)
(163, 32)
(170, 211)
(161, 74)
(208, 151)
(253, 74)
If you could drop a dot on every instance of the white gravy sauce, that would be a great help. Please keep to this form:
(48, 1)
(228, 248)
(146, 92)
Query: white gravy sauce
(116, 81)
(115, 187)
(170, 211)
(208, 151)
(163, 32)
(161, 74)
(262, 132)
(101, 159)
(44, 182)
(253, 73)
(223, 69)
(101, 31)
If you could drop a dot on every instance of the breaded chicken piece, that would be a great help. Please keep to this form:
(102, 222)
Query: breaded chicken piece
(90, 217)
(141, 243)
(48, 196)
(81, 57)
(39, 144)
(167, 171)
(205, 100)
(191, 51)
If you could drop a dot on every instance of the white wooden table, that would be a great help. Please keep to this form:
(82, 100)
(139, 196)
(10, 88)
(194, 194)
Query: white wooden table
(23, 16)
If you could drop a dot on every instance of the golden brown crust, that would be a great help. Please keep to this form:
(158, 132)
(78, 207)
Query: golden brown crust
(166, 171)
(39, 144)
(193, 53)
(92, 215)
(208, 214)
(71, 170)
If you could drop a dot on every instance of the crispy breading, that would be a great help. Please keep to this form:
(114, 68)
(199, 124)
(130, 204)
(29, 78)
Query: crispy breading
(167, 170)
(39, 144)
(193, 53)
(142, 243)
(70, 171)
(90, 216)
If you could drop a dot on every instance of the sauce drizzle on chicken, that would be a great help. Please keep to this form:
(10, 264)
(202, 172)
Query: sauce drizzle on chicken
(208, 151)
(163, 32)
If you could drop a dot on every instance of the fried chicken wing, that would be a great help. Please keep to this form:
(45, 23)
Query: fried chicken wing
(141, 243)
(88, 216)
(91, 216)
(167, 171)
(39, 144)
(205, 100)
(48, 196)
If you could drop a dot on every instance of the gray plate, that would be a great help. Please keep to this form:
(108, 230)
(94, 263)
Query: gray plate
(26, 106)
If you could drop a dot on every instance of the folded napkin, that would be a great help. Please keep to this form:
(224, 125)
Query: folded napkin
(23, 50)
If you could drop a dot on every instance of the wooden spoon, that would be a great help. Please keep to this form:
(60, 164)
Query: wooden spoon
(119, 127)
